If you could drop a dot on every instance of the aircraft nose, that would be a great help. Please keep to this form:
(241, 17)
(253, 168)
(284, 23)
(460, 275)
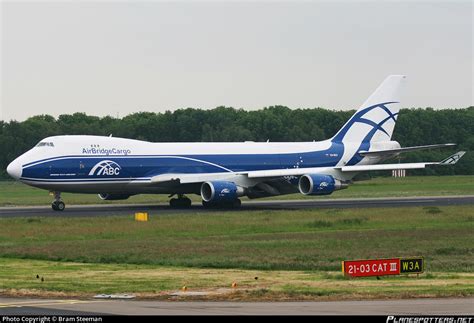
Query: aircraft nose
(14, 169)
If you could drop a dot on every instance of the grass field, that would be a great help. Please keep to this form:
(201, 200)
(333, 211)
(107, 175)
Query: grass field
(15, 193)
(18, 278)
(296, 254)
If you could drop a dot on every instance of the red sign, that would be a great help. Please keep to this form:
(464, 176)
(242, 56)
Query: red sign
(376, 267)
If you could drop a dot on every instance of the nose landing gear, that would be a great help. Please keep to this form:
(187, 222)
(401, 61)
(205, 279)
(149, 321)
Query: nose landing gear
(58, 204)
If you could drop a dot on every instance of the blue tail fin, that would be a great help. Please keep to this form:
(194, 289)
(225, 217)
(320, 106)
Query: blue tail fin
(375, 119)
(373, 122)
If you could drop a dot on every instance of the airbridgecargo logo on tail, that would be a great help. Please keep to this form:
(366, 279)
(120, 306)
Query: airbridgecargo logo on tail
(105, 167)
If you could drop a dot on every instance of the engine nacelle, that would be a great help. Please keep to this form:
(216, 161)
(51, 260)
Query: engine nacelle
(112, 197)
(220, 191)
(317, 184)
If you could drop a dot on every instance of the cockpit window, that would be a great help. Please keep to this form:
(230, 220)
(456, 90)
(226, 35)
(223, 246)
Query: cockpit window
(45, 143)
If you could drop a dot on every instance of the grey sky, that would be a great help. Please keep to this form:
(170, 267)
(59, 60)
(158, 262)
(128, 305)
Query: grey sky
(109, 58)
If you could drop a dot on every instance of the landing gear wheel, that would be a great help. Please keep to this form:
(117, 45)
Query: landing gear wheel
(237, 203)
(173, 202)
(58, 205)
(181, 202)
(186, 202)
(231, 204)
(208, 204)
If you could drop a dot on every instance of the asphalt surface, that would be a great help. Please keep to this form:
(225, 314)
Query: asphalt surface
(444, 306)
(160, 209)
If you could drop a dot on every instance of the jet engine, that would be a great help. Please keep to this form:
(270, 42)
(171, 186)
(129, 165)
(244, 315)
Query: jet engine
(220, 191)
(317, 184)
(112, 197)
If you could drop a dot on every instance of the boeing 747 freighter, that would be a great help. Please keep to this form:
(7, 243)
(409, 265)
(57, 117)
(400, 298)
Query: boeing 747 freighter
(221, 172)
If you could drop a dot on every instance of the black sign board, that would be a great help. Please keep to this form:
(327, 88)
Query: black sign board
(411, 265)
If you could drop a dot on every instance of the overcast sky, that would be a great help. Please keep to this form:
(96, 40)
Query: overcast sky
(116, 58)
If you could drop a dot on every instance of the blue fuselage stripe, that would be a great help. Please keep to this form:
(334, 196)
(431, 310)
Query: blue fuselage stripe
(70, 168)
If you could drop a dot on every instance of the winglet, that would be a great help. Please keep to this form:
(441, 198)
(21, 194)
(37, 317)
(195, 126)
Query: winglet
(453, 159)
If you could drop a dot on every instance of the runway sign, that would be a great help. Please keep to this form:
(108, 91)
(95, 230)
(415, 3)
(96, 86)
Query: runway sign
(374, 267)
(411, 265)
(383, 267)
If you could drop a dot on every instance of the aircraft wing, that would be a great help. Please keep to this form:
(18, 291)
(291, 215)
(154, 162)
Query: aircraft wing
(203, 177)
(453, 159)
(192, 178)
(402, 150)
(283, 172)
(272, 173)
(362, 168)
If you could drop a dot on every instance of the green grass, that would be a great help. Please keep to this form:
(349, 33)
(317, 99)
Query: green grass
(283, 240)
(18, 278)
(15, 193)
(296, 254)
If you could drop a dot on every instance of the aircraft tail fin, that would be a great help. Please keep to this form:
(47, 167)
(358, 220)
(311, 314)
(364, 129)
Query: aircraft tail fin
(375, 120)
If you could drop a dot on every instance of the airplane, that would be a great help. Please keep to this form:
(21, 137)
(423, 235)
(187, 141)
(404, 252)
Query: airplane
(222, 172)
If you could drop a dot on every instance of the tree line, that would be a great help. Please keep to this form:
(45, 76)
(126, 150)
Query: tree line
(277, 123)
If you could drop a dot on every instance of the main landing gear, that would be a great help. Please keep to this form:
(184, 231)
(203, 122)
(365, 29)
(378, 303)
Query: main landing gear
(58, 204)
(180, 202)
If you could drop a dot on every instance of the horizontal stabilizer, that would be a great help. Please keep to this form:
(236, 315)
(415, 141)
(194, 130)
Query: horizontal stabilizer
(453, 159)
(402, 150)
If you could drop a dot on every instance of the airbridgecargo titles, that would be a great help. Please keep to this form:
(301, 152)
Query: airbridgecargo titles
(105, 151)
(222, 172)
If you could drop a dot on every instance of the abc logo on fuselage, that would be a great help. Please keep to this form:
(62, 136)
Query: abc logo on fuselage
(105, 168)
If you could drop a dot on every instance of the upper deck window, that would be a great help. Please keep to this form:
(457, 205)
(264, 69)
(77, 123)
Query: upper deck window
(44, 143)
